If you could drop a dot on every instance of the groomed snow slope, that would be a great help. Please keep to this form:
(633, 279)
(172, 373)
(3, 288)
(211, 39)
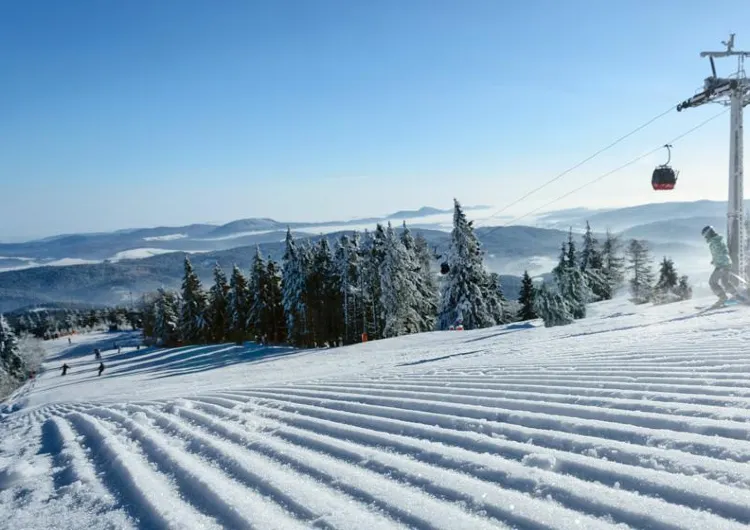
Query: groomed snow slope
(637, 417)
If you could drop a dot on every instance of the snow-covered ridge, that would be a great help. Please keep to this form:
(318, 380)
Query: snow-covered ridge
(637, 417)
(168, 237)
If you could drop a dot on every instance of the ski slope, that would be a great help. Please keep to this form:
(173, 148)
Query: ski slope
(637, 417)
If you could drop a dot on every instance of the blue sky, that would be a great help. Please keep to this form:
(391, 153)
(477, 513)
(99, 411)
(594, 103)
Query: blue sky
(141, 113)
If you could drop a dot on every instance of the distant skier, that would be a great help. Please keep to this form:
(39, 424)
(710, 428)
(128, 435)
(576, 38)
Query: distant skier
(721, 278)
(97, 354)
(69, 341)
(65, 368)
(101, 369)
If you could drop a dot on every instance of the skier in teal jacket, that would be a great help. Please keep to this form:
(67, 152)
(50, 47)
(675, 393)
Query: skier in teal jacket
(721, 279)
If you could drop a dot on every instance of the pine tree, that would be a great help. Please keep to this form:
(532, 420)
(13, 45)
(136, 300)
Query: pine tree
(463, 295)
(293, 282)
(147, 309)
(418, 273)
(324, 296)
(683, 290)
(526, 298)
(668, 278)
(258, 316)
(398, 289)
(576, 292)
(193, 327)
(218, 307)
(372, 255)
(562, 264)
(10, 356)
(641, 283)
(239, 306)
(613, 266)
(276, 325)
(592, 266)
(496, 299)
(552, 307)
(571, 256)
(666, 285)
(348, 268)
(426, 284)
(167, 320)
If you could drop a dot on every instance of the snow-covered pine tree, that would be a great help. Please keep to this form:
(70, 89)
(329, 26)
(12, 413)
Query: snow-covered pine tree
(347, 264)
(592, 266)
(683, 290)
(193, 327)
(147, 309)
(276, 331)
(324, 297)
(465, 286)
(376, 260)
(218, 307)
(552, 307)
(427, 284)
(423, 299)
(526, 298)
(398, 295)
(562, 263)
(570, 280)
(639, 263)
(571, 255)
(257, 318)
(589, 248)
(576, 292)
(293, 283)
(239, 306)
(496, 299)
(167, 318)
(10, 356)
(69, 323)
(613, 265)
(666, 286)
(371, 254)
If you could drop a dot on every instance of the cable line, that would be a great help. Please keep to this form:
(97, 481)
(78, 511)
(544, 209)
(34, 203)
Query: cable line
(633, 161)
(582, 162)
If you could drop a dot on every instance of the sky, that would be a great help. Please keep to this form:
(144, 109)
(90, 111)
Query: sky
(139, 113)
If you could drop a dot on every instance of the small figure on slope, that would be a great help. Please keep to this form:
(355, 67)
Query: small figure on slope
(101, 369)
(721, 278)
(65, 368)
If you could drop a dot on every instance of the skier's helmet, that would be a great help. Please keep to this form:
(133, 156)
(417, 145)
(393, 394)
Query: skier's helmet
(708, 231)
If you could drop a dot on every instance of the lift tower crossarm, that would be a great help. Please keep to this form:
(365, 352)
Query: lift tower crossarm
(735, 92)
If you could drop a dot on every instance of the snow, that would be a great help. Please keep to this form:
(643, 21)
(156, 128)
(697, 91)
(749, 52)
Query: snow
(139, 253)
(635, 417)
(236, 235)
(30, 263)
(168, 237)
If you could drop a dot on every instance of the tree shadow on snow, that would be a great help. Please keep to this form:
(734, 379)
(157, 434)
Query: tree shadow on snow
(506, 330)
(190, 360)
(105, 344)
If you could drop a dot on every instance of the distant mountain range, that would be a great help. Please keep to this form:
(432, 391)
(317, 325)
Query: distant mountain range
(112, 268)
(145, 242)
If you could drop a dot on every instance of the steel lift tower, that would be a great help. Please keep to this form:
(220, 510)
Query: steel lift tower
(735, 92)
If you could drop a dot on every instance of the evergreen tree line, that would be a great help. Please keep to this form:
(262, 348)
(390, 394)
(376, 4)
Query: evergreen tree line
(366, 286)
(596, 272)
(19, 358)
(57, 322)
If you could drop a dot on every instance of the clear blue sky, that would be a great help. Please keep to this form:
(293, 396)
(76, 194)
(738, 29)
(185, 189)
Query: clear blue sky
(141, 113)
